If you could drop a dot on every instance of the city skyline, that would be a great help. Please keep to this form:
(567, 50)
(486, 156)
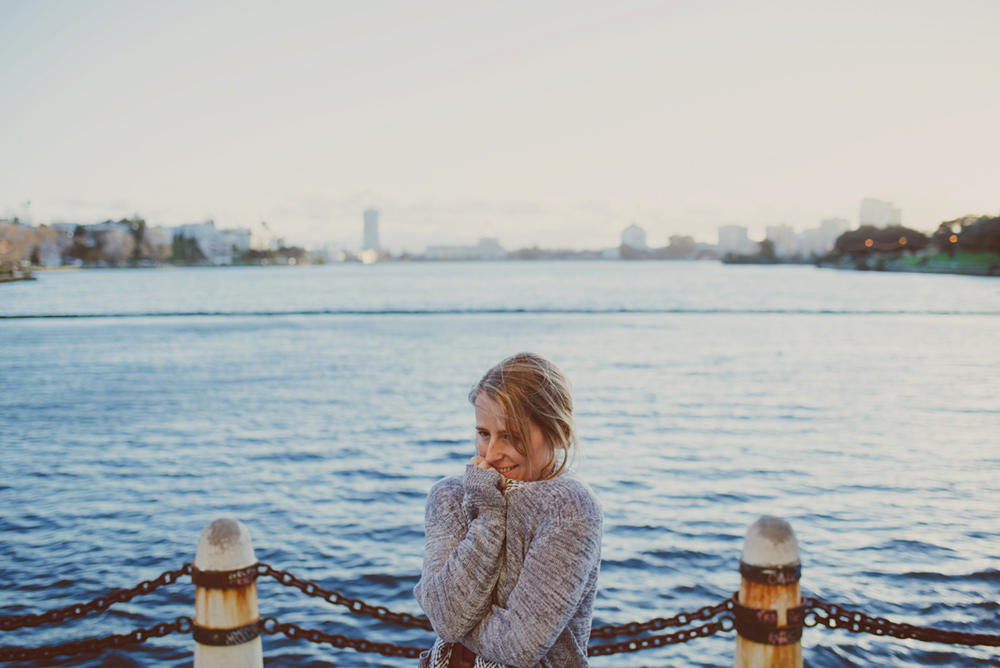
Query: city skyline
(219, 244)
(534, 125)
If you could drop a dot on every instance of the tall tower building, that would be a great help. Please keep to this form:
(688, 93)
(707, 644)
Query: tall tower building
(371, 230)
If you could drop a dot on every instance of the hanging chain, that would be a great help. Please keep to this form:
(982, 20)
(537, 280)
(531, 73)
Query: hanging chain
(272, 626)
(724, 625)
(660, 623)
(97, 605)
(816, 612)
(834, 616)
(91, 645)
(355, 605)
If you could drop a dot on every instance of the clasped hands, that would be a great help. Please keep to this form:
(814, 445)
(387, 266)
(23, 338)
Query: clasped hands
(481, 463)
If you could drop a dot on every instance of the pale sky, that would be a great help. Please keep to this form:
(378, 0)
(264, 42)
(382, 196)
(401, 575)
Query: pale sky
(556, 123)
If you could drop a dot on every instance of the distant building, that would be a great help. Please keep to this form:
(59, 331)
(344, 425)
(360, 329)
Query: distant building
(114, 238)
(880, 214)
(487, 249)
(490, 249)
(634, 236)
(733, 240)
(371, 231)
(160, 243)
(218, 246)
(808, 243)
(817, 242)
(830, 230)
(24, 244)
(783, 238)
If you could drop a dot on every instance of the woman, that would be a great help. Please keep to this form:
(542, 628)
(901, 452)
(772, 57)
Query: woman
(514, 545)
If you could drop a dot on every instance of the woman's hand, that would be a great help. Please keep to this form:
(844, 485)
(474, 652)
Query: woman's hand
(481, 463)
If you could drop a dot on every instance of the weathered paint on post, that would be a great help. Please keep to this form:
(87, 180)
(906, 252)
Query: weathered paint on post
(770, 543)
(225, 545)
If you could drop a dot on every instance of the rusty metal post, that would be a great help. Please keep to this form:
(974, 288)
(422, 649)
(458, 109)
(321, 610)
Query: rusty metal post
(226, 618)
(769, 589)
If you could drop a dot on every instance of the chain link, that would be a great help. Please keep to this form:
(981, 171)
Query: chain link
(14, 622)
(355, 605)
(817, 613)
(272, 626)
(660, 623)
(834, 616)
(91, 645)
(724, 625)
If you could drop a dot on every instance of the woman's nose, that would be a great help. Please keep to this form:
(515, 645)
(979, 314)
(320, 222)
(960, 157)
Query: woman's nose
(494, 450)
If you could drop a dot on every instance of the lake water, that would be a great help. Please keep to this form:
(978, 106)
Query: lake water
(319, 404)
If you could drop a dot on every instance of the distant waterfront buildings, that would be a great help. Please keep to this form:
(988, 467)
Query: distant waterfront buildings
(22, 243)
(733, 240)
(878, 213)
(218, 246)
(371, 231)
(635, 237)
(116, 243)
(487, 249)
(808, 244)
(816, 242)
(783, 238)
(829, 231)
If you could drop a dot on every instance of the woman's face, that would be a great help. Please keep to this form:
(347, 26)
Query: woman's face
(494, 445)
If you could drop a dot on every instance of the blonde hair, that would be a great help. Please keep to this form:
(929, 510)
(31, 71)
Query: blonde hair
(530, 389)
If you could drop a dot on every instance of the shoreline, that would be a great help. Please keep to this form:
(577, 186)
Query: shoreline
(960, 264)
(986, 267)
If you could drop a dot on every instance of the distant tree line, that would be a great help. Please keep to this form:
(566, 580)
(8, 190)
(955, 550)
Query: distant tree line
(976, 234)
(679, 247)
(870, 239)
(281, 255)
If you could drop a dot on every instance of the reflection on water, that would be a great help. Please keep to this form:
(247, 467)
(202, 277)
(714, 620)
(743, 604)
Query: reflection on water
(873, 434)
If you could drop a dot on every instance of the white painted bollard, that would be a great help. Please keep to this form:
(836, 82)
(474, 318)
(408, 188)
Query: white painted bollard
(768, 620)
(225, 610)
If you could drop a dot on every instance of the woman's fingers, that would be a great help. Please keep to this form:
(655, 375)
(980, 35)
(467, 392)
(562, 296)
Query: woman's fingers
(481, 463)
(486, 467)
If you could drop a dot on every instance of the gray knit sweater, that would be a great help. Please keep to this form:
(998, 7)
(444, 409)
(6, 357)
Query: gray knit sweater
(512, 576)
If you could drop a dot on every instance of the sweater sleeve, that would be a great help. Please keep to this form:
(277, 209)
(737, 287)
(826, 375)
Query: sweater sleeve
(552, 584)
(465, 536)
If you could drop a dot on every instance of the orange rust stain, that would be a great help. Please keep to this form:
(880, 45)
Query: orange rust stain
(769, 597)
(752, 655)
(226, 608)
(243, 602)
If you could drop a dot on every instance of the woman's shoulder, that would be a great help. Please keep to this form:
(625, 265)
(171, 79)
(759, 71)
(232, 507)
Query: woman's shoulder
(447, 488)
(564, 498)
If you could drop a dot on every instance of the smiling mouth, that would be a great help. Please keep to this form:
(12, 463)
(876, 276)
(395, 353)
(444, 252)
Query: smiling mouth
(507, 469)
